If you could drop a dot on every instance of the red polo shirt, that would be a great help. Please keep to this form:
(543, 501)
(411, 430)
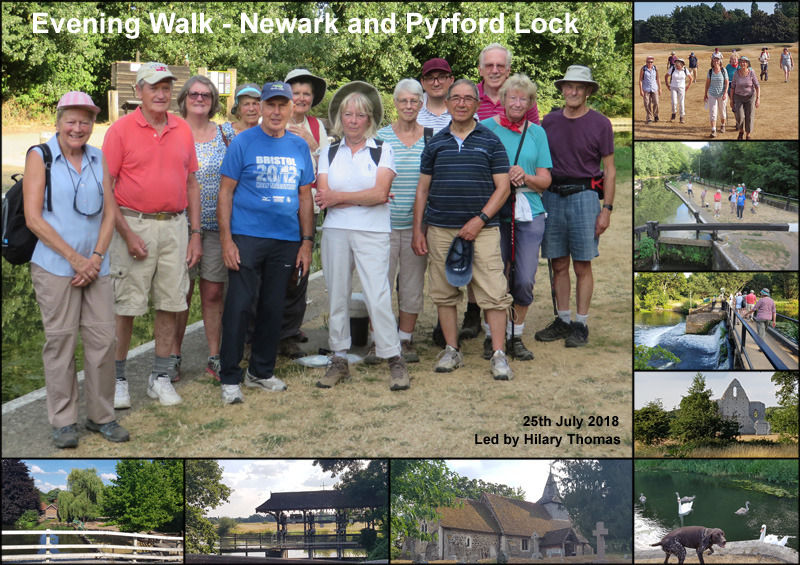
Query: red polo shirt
(150, 169)
(489, 109)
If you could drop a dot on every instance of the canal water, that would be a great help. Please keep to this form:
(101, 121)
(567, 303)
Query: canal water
(656, 203)
(716, 501)
(668, 330)
(34, 539)
(318, 554)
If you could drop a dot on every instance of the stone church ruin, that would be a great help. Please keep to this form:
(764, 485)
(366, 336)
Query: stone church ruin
(735, 405)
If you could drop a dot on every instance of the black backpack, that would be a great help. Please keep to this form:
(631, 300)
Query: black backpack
(375, 152)
(19, 241)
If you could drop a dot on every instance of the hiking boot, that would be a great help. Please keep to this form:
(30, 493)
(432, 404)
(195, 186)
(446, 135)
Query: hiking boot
(500, 369)
(408, 351)
(517, 350)
(66, 436)
(680, 120)
(174, 369)
(471, 326)
(338, 371)
(300, 337)
(213, 366)
(160, 387)
(488, 351)
(398, 379)
(372, 358)
(722, 129)
(437, 336)
(449, 360)
(112, 431)
(648, 121)
(273, 383)
(579, 335)
(655, 119)
(287, 347)
(672, 119)
(232, 394)
(558, 329)
(122, 399)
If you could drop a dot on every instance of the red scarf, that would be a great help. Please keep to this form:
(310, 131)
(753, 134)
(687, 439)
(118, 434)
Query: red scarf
(508, 124)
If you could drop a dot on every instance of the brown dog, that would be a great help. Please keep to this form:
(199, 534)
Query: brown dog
(696, 537)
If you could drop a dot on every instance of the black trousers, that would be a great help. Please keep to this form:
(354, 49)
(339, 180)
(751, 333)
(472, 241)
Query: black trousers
(266, 266)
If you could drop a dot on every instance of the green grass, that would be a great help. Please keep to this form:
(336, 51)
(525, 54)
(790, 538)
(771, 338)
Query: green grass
(765, 247)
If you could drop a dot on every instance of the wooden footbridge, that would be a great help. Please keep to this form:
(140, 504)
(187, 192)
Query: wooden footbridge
(775, 352)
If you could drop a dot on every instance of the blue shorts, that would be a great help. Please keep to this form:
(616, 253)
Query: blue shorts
(569, 230)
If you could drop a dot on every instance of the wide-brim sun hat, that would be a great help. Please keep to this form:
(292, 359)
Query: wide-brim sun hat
(78, 99)
(681, 61)
(304, 75)
(250, 89)
(578, 73)
(743, 58)
(357, 86)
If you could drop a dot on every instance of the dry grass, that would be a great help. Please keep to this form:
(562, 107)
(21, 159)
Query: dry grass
(776, 118)
(742, 449)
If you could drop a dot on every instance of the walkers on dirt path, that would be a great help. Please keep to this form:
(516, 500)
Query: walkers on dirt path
(580, 139)
(755, 196)
(262, 244)
(151, 156)
(693, 66)
(787, 63)
(650, 89)
(468, 160)
(678, 80)
(763, 59)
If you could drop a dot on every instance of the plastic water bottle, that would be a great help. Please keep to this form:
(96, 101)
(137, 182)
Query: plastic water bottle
(706, 103)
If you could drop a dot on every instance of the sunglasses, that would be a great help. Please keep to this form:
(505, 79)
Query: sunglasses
(191, 95)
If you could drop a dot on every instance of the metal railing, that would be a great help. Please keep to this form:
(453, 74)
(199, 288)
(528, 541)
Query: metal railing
(143, 548)
(741, 339)
(784, 202)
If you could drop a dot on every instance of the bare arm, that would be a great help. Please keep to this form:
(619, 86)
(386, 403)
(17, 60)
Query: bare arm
(378, 194)
(418, 241)
(306, 228)
(540, 181)
(609, 186)
(195, 249)
(230, 253)
(502, 190)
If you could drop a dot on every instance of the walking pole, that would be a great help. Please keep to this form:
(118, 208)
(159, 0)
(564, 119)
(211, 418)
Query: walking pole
(512, 272)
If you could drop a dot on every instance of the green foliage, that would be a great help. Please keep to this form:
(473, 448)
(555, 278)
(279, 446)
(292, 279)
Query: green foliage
(473, 488)
(84, 497)
(688, 255)
(147, 495)
(646, 248)
(600, 489)
(19, 493)
(665, 158)
(225, 525)
(776, 471)
(651, 423)
(204, 489)
(644, 356)
(699, 416)
(656, 289)
(28, 520)
(784, 420)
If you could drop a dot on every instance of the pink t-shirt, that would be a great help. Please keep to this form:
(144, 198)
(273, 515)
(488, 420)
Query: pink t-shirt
(489, 109)
(150, 169)
(750, 298)
(717, 197)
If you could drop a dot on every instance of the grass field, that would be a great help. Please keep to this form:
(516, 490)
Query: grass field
(739, 450)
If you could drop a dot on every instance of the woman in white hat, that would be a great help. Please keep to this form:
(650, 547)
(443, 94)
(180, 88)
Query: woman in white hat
(309, 91)
(74, 222)
(353, 185)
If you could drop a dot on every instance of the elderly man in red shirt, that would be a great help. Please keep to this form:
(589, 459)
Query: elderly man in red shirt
(152, 159)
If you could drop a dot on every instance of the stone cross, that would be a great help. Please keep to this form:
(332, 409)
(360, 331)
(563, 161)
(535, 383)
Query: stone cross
(599, 532)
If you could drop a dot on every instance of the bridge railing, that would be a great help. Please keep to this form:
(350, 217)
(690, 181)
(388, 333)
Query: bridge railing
(249, 541)
(653, 229)
(741, 340)
(143, 544)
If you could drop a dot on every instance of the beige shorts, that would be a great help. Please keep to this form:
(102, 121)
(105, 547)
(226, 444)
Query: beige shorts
(211, 267)
(488, 281)
(163, 272)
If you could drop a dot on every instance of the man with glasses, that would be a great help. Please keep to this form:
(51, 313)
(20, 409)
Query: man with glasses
(494, 66)
(436, 79)
(463, 183)
(152, 159)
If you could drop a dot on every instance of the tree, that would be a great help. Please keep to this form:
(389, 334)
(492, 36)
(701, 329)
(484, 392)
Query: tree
(644, 357)
(147, 495)
(225, 525)
(600, 490)
(784, 420)
(19, 493)
(83, 499)
(699, 416)
(651, 423)
(204, 489)
(473, 488)
(28, 520)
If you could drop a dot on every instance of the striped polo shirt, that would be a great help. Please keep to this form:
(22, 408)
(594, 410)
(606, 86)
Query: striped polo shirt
(462, 181)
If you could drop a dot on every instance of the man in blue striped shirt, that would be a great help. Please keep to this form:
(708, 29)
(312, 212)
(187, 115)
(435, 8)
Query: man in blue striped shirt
(463, 183)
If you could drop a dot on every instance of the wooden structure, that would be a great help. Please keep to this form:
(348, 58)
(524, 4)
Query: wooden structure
(122, 94)
(776, 352)
(48, 511)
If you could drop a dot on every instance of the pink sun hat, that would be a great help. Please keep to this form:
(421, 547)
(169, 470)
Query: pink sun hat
(78, 99)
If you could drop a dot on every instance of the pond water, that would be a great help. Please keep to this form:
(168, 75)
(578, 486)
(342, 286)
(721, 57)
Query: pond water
(716, 501)
(668, 330)
(318, 554)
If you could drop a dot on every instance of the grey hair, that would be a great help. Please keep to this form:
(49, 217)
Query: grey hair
(521, 82)
(464, 81)
(362, 104)
(411, 85)
(185, 92)
(492, 47)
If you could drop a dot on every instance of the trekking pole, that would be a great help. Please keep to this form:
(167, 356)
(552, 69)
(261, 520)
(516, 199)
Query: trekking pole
(512, 271)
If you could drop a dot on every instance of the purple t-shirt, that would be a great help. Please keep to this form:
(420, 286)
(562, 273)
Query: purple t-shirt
(578, 145)
(764, 309)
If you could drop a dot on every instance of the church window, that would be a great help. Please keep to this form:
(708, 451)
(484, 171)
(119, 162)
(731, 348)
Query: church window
(524, 545)
(734, 392)
(424, 527)
(755, 413)
(469, 541)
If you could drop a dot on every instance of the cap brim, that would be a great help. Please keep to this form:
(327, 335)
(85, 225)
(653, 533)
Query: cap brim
(357, 86)
(320, 86)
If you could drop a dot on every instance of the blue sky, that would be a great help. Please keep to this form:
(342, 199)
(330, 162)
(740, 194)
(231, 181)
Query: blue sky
(643, 10)
(671, 386)
(52, 473)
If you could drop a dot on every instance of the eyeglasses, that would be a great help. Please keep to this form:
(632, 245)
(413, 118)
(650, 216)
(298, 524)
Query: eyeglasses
(464, 99)
(408, 101)
(515, 100)
(435, 78)
(192, 95)
(75, 187)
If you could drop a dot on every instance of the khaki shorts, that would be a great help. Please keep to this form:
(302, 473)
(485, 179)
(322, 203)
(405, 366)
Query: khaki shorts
(163, 272)
(211, 267)
(488, 281)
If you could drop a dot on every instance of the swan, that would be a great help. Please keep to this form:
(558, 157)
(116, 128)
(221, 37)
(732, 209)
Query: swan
(685, 498)
(642, 498)
(772, 538)
(744, 510)
(684, 507)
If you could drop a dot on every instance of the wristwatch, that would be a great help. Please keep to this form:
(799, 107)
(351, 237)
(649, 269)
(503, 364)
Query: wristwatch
(609, 207)
(484, 217)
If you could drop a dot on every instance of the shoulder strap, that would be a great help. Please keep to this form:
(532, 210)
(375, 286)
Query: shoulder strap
(427, 134)
(47, 157)
(332, 149)
(521, 141)
(313, 123)
(224, 139)
(376, 152)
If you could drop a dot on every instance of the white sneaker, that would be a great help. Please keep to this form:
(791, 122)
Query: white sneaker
(161, 388)
(500, 369)
(122, 399)
(232, 394)
(273, 383)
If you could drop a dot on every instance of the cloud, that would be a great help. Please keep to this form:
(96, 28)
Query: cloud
(37, 469)
(108, 476)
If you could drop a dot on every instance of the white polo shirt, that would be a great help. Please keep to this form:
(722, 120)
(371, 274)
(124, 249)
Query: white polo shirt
(354, 173)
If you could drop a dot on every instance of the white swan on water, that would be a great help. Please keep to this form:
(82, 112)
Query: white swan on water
(684, 507)
(772, 538)
(685, 498)
(642, 498)
(744, 510)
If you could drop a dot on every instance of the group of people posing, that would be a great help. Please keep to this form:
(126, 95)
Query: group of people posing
(737, 196)
(171, 199)
(736, 84)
